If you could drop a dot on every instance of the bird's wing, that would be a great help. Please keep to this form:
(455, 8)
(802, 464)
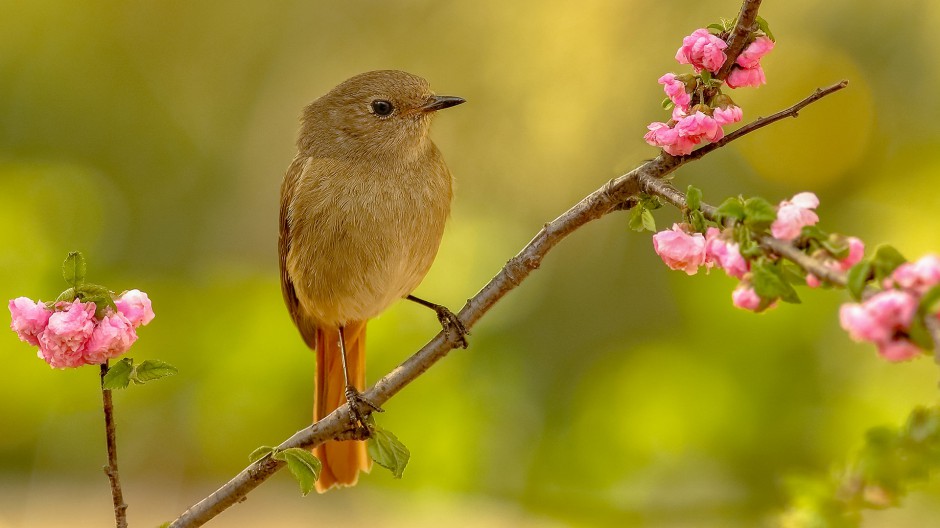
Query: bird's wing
(308, 328)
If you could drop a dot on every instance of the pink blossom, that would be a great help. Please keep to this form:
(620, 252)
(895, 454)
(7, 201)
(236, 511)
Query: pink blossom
(883, 319)
(856, 252)
(699, 126)
(675, 90)
(745, 298)
(62, 342)
(702, 50)
(724, 254)
(29, 319)
(666, 137)
(750, 57)
(136, 306)
(679, 249)
(744, 77)
(112, 336)
(727, 115)
(918, 277)
(897, 350)
(793, 215)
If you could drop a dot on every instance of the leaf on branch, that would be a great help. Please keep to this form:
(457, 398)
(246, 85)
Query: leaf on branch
(919, 334)
(260, 453)
(929, 302)
(693, 198)
(388, 451)
(759, 213)
(858, 277)
(836, 246)
(649, 223)
(73, 269)
(153, 369)
(732, 208)
(886, 260)
(769, 282)
(765, 27)
(303, 466)
(118, 375)
(697, 219)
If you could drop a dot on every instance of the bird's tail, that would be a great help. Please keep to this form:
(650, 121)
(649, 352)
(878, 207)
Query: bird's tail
(341, 461)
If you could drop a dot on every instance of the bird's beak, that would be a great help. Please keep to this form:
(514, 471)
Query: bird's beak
(439, 102)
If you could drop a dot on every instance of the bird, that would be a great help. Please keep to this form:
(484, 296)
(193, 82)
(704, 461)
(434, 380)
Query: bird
(362, 211)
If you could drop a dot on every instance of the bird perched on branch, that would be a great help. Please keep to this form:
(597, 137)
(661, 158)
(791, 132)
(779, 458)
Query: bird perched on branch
(362, 214)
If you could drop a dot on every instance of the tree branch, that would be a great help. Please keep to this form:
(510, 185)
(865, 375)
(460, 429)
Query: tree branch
(744, 25)
(111, 470)
(617, 194)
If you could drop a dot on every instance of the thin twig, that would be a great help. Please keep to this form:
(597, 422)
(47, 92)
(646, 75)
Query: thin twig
(615, 195)
(761, 122)
(111, 470)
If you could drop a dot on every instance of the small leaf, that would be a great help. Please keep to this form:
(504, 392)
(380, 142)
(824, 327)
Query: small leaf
(667, 104)
(649, 223)
(73, 269)
(387, 451)
(858, 277)
(836, 246)
(717, 27)
(118, 375)
(919, 334)
(732, 208)
(885, 260)
(769, 283)
(303, 466)
(153, 369)
(68, 295)
(697, 219)
(260, 453)
(693, 198)
(706, 76)
(765, 27)
(636, 218)
(759, 213)
(928, 303)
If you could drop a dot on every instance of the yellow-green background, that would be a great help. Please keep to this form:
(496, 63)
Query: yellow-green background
(606, 391)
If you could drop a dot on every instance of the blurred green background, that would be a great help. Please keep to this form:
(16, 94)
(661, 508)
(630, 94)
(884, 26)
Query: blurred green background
(607, 390)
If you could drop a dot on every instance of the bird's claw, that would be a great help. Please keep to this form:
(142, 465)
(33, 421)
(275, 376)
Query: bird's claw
(359, 409)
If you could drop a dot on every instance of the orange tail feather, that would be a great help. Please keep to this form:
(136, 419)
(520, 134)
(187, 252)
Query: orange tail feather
(341, 461)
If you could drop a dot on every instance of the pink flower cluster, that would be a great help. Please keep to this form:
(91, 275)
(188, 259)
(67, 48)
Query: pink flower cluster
(885, 318)
(69, 335)
(687, 251)
(795, 214)
(856, 252)
(747, 70)
(691, 125)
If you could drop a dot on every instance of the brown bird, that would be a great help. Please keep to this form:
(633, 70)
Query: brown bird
(363, 207)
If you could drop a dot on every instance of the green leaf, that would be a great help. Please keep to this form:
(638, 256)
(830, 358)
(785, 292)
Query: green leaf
(717, 27)
(928, 303)
(118, 375)
(836, 246)
(667, 104)
(636, 218)
(260, 453)
(73, 269)
(693, 198)
(765, 27)
(759, 213)
(706, 76)
(697, 219)
(732, 208)
(153, 369)
(646, 218)
(919, 334)
(387, 451)
(858, 277)
(768, 282)
(303, 466)
(67, 295)
(885, 260)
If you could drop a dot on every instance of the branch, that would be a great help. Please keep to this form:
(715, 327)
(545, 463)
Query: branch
(111, 470)
(745, 24)
(617, 194)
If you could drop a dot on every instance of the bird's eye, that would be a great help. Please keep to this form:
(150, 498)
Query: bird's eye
(381, 107)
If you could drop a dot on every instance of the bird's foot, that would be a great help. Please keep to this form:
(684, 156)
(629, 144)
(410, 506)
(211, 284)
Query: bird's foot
(448, 319)
(360, 408)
